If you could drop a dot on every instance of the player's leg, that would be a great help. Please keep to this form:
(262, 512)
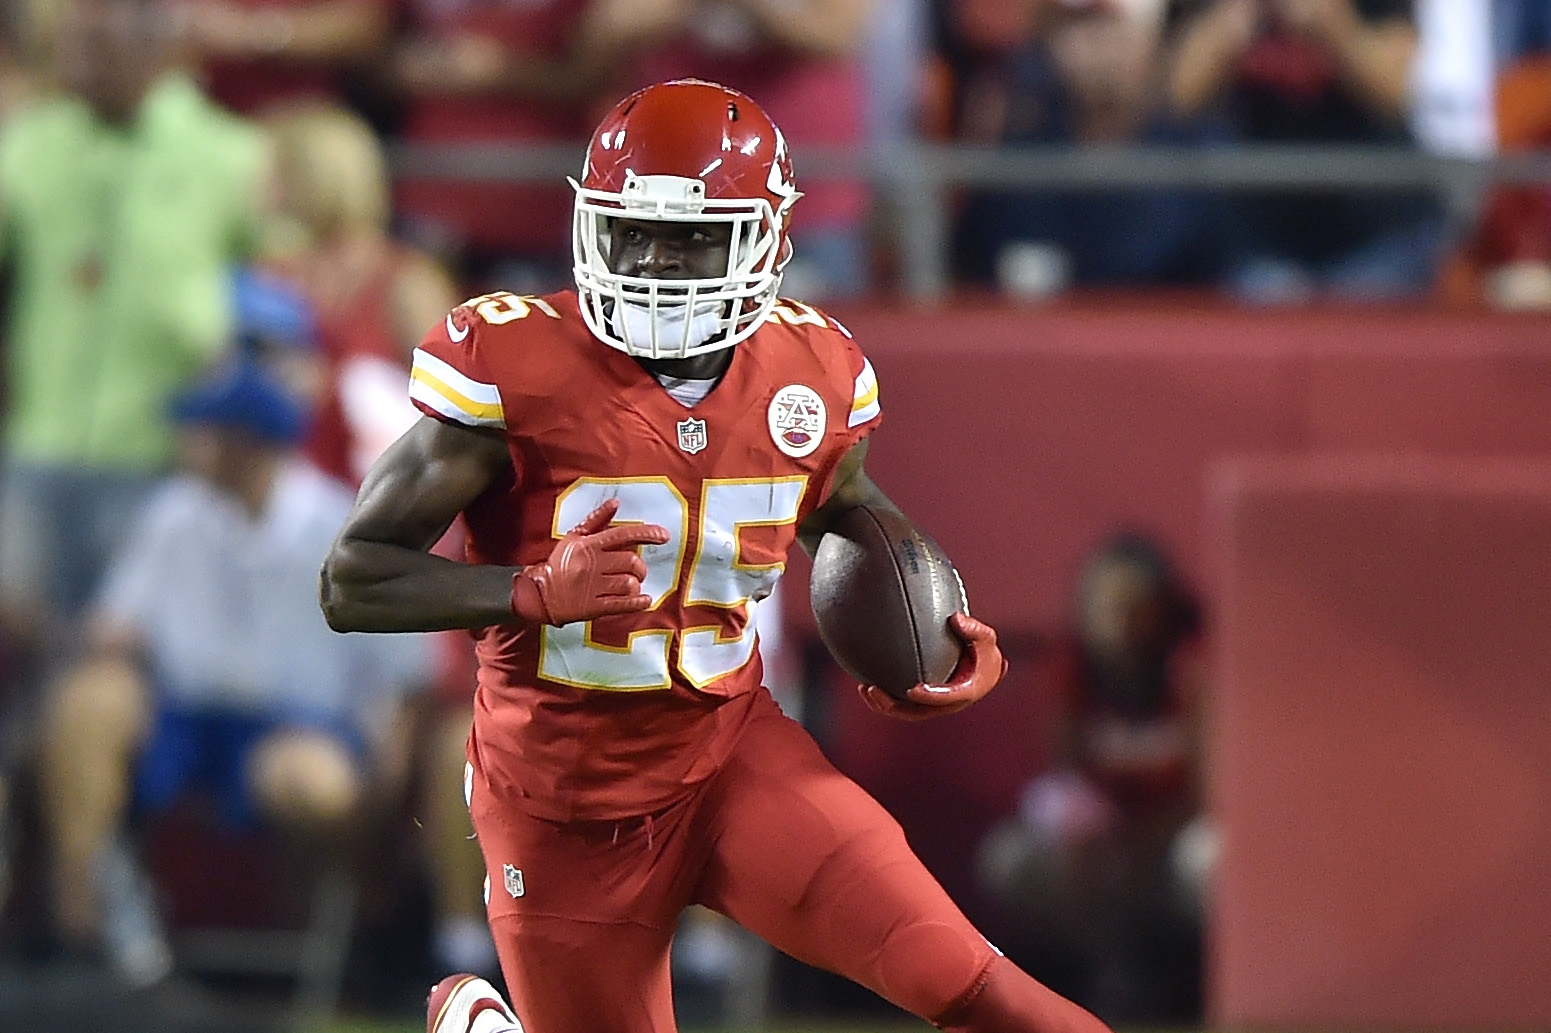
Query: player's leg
(1009, 1000)
(583, 914)
(805, 858)
(575, 976)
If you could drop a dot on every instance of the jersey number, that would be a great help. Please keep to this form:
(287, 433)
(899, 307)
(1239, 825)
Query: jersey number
(717, 578)
(503, 307)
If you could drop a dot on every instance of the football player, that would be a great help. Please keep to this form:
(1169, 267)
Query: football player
(634, 459)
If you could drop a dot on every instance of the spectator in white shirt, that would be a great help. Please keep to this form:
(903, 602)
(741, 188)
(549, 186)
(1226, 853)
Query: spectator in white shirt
(208, 665)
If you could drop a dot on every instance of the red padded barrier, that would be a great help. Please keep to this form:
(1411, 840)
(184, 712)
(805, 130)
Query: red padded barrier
(1020, 435)
(1381, 769)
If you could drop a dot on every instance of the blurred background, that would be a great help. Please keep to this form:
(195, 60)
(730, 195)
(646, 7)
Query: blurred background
(1232, 317)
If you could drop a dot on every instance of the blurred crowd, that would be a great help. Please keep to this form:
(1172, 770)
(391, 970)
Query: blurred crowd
(1455, 78)
(215, 276)
(1440, 78)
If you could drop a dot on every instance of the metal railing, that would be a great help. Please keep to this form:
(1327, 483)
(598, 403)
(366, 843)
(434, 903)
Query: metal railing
(914, 181)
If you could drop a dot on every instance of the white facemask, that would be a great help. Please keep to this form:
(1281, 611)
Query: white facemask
(671, 342)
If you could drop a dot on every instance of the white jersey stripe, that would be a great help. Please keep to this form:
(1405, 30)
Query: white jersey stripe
(866, 382)
(861, 416)
(421, 391)
(864, 403)
(486, 394)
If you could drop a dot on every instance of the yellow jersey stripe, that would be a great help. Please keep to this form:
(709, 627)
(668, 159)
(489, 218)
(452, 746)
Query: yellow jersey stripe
(866, 399)
(481, 411)
(453, 377)
(864, 406)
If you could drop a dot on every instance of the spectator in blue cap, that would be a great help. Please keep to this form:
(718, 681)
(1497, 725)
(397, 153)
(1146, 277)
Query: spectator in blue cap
(210, 667)
(245, 398)
(277, 327)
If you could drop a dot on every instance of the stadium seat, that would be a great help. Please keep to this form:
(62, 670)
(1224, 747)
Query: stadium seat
(232, 911)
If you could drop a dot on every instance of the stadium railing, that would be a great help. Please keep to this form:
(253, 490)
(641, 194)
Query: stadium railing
(914, 182)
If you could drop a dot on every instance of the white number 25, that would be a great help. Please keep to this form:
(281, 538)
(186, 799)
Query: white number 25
(717, 578)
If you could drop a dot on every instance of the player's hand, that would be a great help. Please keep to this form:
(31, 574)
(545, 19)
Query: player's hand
(593, 571)
(981, 665)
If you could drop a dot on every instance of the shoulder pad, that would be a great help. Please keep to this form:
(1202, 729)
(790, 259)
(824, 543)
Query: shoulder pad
(496, 309)
(797, 313)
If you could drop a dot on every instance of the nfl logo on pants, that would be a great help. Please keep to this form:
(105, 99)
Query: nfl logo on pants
(513, 876)
(692, 435)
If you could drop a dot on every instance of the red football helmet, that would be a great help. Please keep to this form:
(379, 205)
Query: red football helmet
(684, 151)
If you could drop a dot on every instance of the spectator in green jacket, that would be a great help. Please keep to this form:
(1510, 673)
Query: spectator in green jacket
(123, 202)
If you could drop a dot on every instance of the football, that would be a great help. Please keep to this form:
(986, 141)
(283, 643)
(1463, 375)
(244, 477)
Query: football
(882, 593)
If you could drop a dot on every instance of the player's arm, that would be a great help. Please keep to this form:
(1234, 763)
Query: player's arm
(980, 665)
(850, 488)
(380, 575)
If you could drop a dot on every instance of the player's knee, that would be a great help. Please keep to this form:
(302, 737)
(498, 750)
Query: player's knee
(928, 967)
(304, 780)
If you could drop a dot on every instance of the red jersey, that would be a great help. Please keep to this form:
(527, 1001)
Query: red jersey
(1140, 752)
(619, 716)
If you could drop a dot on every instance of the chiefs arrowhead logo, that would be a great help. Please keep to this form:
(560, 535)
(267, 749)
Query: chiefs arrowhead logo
(797, 419)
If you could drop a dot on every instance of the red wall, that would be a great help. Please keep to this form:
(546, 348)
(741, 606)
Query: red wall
(1020, 436)
(1381, 771)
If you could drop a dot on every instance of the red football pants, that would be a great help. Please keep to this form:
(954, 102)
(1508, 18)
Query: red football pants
(779, 841)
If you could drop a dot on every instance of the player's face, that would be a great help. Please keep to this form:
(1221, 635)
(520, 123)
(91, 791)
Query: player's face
(669, 250)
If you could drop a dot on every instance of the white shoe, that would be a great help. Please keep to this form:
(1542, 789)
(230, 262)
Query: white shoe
(458, 1002)
(132, 933)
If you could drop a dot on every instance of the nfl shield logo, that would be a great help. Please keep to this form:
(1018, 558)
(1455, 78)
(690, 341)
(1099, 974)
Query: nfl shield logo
(513, 880)
(692, 435)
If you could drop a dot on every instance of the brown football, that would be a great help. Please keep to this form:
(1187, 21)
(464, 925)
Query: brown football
(882, 593)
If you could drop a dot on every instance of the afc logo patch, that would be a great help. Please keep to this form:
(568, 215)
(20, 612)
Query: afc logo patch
(513, 876)
(797, 419)
(692, 435)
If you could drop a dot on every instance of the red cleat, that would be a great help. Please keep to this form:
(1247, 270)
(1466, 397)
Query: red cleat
(457, 1000)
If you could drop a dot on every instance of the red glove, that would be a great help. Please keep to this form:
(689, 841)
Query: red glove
(592, 572)
(980, 667)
